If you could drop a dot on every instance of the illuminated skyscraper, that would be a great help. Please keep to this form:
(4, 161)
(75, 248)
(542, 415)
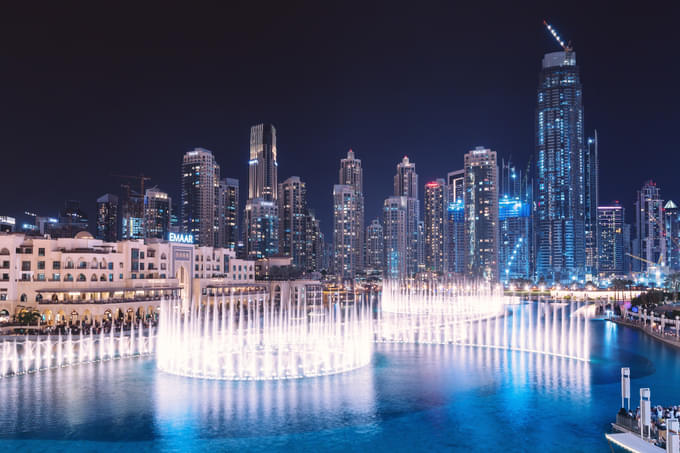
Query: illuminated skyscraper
(229, 210)
(375, 246)
(435, 206)
(481, 214)
(348, 218)
(671, 214)
(514, 218)
(262, 166)
(455, 222)
(650, 240)
(406, 185)
(261, 222)
(611, 241)
(292, 204)
(200, 194)
(261, 217)
(107, 218)
(395, 233)
(314, 244)
(592, 199)
(560, 174)
(157, 211)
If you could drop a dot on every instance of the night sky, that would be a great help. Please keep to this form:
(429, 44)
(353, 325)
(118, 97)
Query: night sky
(89, 92)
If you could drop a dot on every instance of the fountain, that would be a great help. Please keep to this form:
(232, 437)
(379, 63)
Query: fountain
(477, 314)
(257, 339)
(30, 355)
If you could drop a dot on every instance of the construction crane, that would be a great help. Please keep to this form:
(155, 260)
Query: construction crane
(141, 178)
(644, 260)
(553, 32)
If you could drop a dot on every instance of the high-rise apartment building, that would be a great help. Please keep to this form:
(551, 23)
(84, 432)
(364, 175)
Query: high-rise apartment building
(481, 214)
(292, 204)
(592, 199)
(107, 218)
(514, 218)
(560, 175)
(406, 185)
(200, 194)
(262, 166)
(229, 213)
(455, 222)
(314, 244)
(375, 246)
(395, 212)
(435, 207)
(649, 231)
(261, 217)
(261, 221)
(671, 214)
(611, 242)
(157, 211)
(348, 218)
(347, 248)
(132, 216)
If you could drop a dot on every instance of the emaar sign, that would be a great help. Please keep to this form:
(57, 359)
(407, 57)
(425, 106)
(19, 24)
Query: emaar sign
(181, 238)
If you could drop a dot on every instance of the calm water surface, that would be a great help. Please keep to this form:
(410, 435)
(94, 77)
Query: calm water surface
(412, 397)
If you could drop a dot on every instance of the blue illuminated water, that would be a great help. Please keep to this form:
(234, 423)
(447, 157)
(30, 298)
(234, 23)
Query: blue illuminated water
(428, 398)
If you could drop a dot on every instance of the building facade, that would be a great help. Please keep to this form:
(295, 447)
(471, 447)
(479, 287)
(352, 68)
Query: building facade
(611, 242)
(560, 174)
(455, 222)
(481, 214)
(157, 212)
(650, 243)
(395, 212)
(107, 218)
(263, 166)
(348, 218)
(671, 214)
(261, 225)
(229, 213)
(292, 209)
(200, 192)
(375, 246)
(435, 244)
(406, 185)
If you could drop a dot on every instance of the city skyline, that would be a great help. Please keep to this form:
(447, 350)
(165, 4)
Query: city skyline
(224, 130)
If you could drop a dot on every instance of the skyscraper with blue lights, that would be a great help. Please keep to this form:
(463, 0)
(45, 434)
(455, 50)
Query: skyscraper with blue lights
(560, 170)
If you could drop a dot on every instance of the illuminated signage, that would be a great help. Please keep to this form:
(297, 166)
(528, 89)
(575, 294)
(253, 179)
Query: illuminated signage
(181, 238)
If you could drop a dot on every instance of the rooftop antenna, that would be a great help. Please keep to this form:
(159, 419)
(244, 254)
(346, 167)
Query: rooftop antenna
(565, 47)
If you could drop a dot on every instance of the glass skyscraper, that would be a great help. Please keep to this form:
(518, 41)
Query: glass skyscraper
(560, 170)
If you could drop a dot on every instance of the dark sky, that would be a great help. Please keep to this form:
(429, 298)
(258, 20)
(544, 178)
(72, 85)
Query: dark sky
(89, 92)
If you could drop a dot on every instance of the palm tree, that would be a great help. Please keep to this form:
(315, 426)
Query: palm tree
(28, 317)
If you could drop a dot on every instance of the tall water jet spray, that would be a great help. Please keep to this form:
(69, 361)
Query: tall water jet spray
(254, 338)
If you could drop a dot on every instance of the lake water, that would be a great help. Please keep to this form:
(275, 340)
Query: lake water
(411, 397)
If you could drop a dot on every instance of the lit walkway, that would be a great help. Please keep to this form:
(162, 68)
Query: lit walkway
(631, 442)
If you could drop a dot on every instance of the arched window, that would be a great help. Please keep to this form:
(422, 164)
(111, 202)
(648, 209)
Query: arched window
(69, 264)
(81, 278)
(93, 278)
(102, 278)
(164, 256)
(55, 298)
(4, 252)
(24, 298)
(68, 278)
(38, 297)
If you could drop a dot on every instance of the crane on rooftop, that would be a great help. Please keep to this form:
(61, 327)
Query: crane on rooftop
(141, 178)
(553, 32)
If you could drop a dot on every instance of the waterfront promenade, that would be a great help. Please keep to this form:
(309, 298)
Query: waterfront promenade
(666, 336)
